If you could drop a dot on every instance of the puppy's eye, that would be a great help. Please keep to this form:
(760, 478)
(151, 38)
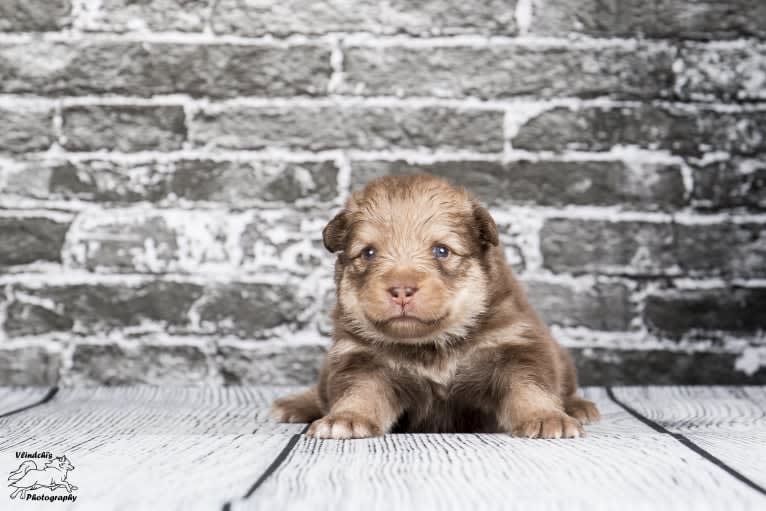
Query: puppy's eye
(440, 251)
(368, 253)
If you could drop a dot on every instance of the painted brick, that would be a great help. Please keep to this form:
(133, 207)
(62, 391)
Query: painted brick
(270, 364)
(730, 183)
(158, 15)
(25, 129)
(426, 17)
(548, 182)
(138, 364)
(732, 74)
(629, 247)
(124, 128)
(249, 183)
(602, 306)
(683, 131)
(323, 127)
(678, 312)
(499, 71)
(178, 241)
(34, 15)
(29, 365)
(99, 308)
(88, 67)
(251, 310)
(604, 366)
(685, 19)
(26, 239)
(725, 249)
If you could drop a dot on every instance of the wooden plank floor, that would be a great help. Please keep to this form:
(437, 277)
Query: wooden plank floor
(216, 448)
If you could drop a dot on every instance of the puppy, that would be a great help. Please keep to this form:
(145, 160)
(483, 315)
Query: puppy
(432, 332)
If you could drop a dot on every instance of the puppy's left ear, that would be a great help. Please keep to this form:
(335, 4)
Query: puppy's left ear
(485, 226)
(334, 233)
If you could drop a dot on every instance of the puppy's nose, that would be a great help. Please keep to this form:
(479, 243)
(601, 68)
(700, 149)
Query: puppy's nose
(402, 294)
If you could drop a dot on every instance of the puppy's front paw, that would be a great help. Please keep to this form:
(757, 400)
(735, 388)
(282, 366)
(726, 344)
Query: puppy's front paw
(583, 410)
(343, 425)
(549, 425)
(294, 409)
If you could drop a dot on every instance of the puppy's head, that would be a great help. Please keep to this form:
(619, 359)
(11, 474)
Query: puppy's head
(410, 265)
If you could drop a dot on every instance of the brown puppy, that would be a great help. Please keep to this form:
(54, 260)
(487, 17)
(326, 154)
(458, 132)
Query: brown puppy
(432, 331)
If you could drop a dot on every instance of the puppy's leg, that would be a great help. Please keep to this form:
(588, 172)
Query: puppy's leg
(530, 411)
(529, 403)
(581, 409)
(303, 407)
(365, 408)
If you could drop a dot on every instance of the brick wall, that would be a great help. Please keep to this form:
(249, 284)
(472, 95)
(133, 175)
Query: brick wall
(166, 168)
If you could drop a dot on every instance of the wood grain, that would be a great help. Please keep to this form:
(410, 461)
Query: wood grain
(686, 409)
(199, 447)
(456, 472)
(155, 471)
(86, 412)
(727, 422)
(745, 453)
(16, 398)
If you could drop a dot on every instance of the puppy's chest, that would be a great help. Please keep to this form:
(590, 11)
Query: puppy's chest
(441, 378)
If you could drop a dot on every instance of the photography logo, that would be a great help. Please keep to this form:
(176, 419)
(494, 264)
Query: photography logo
(38, 472)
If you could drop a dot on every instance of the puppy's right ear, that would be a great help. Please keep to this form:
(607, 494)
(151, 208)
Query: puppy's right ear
(334, 233)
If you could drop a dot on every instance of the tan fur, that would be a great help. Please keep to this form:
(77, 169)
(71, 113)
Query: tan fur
(464, 352)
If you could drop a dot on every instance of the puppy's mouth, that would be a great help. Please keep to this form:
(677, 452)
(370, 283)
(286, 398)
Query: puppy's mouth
(405, 318)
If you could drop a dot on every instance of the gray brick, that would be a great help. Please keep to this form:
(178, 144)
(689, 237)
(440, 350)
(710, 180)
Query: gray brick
(256, 181)
(345, 127)
(270, 364)
(548, 182)
(119, 241)
(24, 179)
(626, 247)
(241, 184)
(509, 70)
(730, 183)
(684, 19)
(29, 365)
(675, 313)
(158, 364)
(99, 308)
(426, 17)
(25, 129)
(725, 249)
(684, 131)
(284, 242)
(157, 15)
(124, 128)
(709, 72)
(653, 248)
(178, 241)
(34, 15)
(603, 306)
(26, 239)
(251, 310)
(147, 69)
(606, 366)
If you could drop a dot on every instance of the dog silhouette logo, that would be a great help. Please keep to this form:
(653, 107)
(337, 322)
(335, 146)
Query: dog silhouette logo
(52, 475)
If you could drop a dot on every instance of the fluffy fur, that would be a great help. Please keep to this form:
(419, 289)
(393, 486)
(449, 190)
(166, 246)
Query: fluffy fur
(425, 342)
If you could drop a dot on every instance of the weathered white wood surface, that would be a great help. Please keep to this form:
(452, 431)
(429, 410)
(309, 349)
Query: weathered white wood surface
(692, 409)
(728, 422)
(149, 447)
(151, 410)
(15, 398)
(198, 448)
